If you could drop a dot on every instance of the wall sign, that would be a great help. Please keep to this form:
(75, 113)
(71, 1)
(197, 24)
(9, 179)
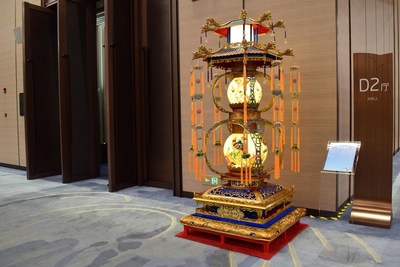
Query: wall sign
(373, 127)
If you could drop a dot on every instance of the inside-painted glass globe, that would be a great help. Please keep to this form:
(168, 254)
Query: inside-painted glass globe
(236, 93)
(234, 147)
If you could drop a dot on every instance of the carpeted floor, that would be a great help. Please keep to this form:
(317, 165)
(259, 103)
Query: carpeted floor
(47, 223)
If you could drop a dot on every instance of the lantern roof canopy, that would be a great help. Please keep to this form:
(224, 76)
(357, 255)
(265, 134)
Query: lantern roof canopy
(231, 55)
(222, 29)
(255, 53)
(261, 28)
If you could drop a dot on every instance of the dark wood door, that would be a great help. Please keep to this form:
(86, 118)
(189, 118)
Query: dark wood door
(162, 96)
(78, 90)
(122, 85)
(42, 132)
(142, 94)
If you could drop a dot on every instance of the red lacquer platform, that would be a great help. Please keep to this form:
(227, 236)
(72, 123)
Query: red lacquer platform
(258, 248)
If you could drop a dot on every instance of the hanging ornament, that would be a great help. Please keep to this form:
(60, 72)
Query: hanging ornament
(197, 149)
(295, 128)
(244, 94)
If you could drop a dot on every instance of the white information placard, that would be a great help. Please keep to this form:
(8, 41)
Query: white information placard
(342, 157)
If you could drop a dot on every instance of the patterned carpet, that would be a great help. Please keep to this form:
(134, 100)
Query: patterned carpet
(47, 223)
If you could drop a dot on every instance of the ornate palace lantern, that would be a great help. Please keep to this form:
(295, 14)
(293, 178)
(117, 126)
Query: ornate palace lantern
(244, 204)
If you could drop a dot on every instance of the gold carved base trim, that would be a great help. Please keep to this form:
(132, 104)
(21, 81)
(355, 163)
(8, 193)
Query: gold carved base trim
(233, 212)
(372, 213)
(265, 234)
(258, 201)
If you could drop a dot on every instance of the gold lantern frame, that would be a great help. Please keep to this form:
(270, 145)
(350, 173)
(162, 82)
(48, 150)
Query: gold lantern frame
(245, 205)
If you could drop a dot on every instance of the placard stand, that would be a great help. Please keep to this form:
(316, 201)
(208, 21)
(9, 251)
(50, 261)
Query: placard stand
(341, 159)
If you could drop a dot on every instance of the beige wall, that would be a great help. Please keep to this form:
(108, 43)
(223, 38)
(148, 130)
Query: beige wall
(12, 137)
(316, 31)
(371, 25)
(8, 125)
(373, 31)
(311, 30)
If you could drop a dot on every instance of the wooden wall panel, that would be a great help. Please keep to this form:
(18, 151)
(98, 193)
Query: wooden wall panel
(374, 175)
(79, 117)
(121, 92)
(374, 28)
(313, 38)
(41, 94)
(159, 98)
(12, 136)
(343, 72)
(326, 189)
(20, 79)
(369, 26)
(20, 90)
(372, 31)
(8, 116)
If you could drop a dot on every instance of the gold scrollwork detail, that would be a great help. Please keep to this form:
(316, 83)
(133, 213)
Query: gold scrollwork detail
(267, 234)
(266, 204)
(287, 52)
(278, 24)
(245, 45)
(253, 183)
(270, 46)
(265, 16)
(243, 14)
(202, 53)
(230, 212)
(211, 25)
